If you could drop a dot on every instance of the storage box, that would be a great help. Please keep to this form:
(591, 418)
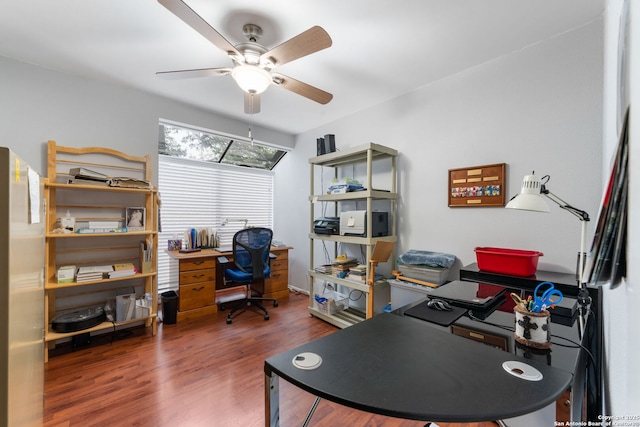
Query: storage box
(426, 274)
(66, 274)
(514, 262)
(125, 307)
(334, 303)
(403, 293)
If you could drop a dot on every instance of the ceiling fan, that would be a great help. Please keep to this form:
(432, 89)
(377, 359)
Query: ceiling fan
(253, 62)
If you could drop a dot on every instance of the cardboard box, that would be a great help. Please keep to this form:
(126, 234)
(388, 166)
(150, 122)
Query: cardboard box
(66, 274)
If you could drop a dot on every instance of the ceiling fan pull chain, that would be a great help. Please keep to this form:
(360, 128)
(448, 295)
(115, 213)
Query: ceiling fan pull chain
(251, 121)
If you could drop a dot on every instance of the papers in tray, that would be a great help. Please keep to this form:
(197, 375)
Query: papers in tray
(129, 183)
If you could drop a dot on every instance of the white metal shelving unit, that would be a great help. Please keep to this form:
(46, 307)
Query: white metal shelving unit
(364, 154)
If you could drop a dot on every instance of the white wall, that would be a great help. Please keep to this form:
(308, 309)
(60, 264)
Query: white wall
(621, 344)
(536, 109)
(38, 104)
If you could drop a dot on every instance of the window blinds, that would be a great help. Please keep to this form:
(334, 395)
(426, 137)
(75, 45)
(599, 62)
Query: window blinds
(197, 194)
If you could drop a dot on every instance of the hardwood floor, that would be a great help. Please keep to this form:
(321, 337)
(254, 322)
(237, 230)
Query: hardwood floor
(195, 373)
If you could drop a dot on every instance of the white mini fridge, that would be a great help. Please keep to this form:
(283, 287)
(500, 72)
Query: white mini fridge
(22, 230)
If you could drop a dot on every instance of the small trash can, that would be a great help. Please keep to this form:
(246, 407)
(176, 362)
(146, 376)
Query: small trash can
(169, 307)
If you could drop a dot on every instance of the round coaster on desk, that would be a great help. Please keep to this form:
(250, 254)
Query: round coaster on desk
(307, 361)
(522, 370)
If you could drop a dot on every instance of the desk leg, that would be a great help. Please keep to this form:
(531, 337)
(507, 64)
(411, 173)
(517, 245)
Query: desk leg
(271, 400)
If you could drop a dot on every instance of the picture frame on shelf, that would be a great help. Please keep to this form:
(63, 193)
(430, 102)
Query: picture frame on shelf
(135, 218)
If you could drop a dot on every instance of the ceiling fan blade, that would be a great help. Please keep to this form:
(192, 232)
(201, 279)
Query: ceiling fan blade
(189, 74)
(251, 103)
(306, 90)
(195, 21)
(308, 42)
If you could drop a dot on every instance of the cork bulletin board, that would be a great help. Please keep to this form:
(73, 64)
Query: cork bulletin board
(477, 186)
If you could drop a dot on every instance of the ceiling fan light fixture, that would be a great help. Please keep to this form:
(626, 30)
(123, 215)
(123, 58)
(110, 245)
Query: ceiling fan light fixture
(251, 79)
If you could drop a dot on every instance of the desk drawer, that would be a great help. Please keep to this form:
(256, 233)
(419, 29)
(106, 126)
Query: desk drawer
(196, 276)
(197, 264)
(196, 295)
(278, 281)
(279, 264)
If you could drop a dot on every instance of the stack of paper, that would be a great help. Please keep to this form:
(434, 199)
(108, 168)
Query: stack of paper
(122, 270)
(96, 272)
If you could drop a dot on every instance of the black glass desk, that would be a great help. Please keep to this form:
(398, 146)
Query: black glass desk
(403, 367)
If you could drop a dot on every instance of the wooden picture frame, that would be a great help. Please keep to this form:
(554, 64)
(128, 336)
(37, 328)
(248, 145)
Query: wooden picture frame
(477, 186)
(135, 218)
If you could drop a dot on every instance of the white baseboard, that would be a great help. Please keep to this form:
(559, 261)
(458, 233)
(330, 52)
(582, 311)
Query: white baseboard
(298, 290)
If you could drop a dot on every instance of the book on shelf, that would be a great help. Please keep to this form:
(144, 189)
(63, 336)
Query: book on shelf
(89, 277)
(95, 269)
(124, 266)
(123, 270)
(90, 273)
(89, 174)
(81, 181)
(87, 230)
(123, 273)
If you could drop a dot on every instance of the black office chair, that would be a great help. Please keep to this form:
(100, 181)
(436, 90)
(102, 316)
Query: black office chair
(251, 265)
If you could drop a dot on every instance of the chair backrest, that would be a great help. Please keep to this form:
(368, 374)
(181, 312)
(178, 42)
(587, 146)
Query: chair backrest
(251, 250)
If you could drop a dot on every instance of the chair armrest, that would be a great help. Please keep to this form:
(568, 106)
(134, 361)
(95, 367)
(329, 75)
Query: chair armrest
(272, 256)
(223, 260)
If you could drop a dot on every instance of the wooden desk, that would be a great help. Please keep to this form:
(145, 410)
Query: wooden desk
(201, 280)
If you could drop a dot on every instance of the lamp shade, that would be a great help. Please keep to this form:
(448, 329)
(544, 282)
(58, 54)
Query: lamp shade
(529, 198)
(251, 79)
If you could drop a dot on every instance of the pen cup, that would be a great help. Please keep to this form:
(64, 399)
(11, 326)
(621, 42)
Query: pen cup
(532, 329)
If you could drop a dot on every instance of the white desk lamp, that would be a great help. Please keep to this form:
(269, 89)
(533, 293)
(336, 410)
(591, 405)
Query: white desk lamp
(531, 198)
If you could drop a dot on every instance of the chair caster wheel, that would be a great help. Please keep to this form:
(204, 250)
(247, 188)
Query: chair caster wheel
(266, 317)
(228, 321)
(275, 303)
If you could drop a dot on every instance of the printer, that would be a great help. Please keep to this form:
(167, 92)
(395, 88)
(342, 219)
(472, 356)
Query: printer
(327, 225)
(354, 223)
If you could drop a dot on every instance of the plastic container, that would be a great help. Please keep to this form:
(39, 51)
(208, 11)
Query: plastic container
(403, 293)
(514, 262)
(335, 302)
(169, 307)
(426, 274)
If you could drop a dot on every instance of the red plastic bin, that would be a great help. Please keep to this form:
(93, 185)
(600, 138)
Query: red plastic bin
(515, 262)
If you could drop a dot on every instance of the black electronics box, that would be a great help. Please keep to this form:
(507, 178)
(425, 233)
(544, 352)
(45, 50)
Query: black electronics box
(326, 145)
(327, 225)
(379, 224)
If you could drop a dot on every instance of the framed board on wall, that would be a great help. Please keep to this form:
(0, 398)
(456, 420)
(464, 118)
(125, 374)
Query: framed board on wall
(477, 186)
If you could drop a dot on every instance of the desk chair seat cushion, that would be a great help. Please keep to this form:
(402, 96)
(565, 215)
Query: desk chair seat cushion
(239, 276)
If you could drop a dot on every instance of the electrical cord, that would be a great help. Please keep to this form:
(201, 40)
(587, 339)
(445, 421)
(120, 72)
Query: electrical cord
(510, 329)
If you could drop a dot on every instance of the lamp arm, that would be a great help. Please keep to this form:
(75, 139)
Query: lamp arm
(582, 215)
(584, 299)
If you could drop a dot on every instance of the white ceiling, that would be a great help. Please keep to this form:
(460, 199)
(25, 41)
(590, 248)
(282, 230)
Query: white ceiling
(381, 49)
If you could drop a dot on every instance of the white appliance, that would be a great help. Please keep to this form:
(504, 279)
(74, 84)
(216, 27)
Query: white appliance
(354, 223)
(22, 229)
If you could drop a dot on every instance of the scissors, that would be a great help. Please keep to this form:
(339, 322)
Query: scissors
(519, 301)
(544, 301)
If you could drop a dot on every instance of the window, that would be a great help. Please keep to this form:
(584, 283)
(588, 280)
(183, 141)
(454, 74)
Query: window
(209, 192)
(180, 141)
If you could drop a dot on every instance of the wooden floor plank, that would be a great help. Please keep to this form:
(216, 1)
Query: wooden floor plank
(199, 372)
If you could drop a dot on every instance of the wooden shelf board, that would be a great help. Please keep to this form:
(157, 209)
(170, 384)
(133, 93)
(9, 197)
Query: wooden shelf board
(342, 319)
(52, 335)
(55, 285)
